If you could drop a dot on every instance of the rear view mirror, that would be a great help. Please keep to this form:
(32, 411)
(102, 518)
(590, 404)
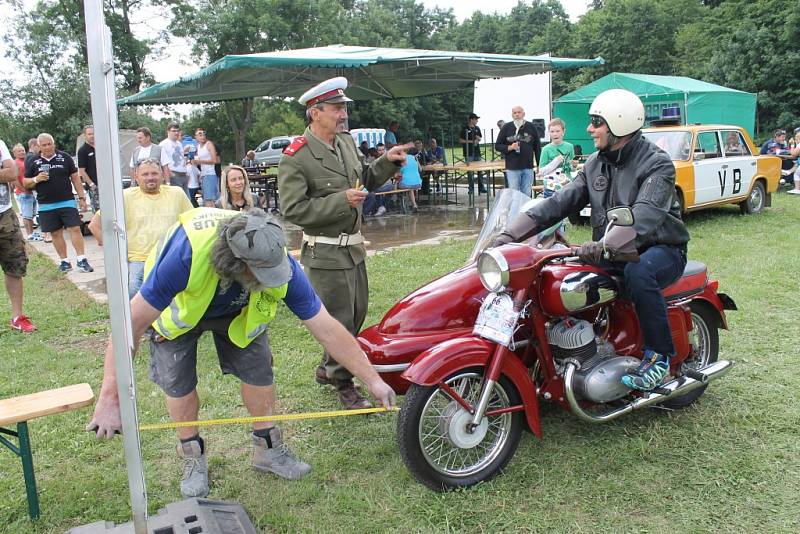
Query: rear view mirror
(621, 216)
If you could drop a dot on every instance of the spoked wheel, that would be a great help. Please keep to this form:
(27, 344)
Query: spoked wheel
(436, 441)
(704, 341)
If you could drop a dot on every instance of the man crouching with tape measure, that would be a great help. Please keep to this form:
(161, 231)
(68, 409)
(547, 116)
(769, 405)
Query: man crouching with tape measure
(224, 272)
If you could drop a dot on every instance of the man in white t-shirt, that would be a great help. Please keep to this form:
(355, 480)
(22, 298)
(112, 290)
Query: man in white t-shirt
(13, 258)
(147, 150)
(173, 148)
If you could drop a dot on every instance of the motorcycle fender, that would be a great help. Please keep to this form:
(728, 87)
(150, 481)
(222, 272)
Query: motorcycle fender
(719, 301)
(437, 363)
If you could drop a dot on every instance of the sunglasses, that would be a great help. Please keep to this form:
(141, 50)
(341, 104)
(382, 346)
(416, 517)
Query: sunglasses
(597, 121)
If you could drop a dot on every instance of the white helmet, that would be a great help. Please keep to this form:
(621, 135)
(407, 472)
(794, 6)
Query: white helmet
(622, 110)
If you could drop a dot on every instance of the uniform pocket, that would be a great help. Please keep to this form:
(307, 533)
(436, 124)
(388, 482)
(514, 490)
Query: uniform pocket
(326, 186)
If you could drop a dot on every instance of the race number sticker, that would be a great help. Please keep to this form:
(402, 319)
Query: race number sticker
(497, 319)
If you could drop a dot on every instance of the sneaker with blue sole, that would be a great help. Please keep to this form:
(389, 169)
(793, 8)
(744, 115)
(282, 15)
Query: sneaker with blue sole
(65, 266)
(84, 266)
(650, 374)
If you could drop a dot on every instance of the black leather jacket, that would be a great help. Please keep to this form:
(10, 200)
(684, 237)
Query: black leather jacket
(639, 175)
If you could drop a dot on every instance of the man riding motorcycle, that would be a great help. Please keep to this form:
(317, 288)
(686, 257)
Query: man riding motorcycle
(627, 170)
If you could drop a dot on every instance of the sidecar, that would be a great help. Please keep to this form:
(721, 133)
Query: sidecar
(441, 310)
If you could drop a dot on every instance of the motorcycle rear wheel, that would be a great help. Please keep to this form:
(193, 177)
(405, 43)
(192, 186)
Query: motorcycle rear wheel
(704, 339)
(434, 443)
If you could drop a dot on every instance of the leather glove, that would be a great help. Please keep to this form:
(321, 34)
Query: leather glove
(591, 252)
(519, 229)
(503, 239)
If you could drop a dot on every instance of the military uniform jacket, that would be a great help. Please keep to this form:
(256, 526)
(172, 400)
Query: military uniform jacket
(312, 184)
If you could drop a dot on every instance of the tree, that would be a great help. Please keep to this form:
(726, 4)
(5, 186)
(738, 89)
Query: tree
(223, 27)
(48, 45)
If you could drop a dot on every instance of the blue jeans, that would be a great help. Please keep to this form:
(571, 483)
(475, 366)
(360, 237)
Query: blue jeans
(521, 180)
(135, 277)
(658, 267)
(373, 202)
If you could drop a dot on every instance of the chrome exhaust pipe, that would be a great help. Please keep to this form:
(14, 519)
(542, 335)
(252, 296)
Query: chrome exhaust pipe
(676, 387)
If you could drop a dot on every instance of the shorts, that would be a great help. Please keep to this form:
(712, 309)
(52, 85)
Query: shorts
(173, 363)
(13, 257)
(210, 184)
(53, 220)
(27, 205)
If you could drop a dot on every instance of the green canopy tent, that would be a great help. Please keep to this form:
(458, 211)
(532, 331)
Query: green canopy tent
(371, 72)
(699, 102)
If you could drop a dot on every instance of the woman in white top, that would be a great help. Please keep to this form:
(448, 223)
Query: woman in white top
(207, 158)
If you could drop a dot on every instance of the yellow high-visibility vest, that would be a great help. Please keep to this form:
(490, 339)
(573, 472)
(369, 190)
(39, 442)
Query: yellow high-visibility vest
(189, 306)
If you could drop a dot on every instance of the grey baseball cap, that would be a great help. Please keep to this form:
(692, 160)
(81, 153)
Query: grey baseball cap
(262, 246)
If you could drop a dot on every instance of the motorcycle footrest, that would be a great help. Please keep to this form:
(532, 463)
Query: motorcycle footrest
(661, 391)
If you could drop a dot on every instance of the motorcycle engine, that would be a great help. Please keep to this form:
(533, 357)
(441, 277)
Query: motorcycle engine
(598, 379)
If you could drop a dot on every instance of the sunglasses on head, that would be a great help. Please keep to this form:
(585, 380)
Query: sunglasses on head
(596, 121)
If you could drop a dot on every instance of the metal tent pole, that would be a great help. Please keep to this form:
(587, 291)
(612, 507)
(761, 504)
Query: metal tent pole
(104, 115)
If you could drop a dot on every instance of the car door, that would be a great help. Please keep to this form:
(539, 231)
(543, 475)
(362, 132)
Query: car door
(276, 150)
(711, 181)
(739, 167)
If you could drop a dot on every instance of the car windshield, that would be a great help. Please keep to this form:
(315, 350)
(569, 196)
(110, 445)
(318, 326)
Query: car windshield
(676, 144)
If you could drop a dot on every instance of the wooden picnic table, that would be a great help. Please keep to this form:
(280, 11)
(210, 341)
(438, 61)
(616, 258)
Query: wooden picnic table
(265, 180)
(460, 170)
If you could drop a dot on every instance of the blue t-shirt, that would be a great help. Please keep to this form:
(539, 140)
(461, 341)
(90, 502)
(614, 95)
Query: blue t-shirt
(390, 138)
(410, 173)
(170, 275)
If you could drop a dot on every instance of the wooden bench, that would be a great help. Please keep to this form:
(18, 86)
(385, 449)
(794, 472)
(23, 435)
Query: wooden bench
(403, 205)
(19, 410)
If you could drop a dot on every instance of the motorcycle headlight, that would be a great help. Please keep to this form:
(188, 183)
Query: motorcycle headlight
(493, 270)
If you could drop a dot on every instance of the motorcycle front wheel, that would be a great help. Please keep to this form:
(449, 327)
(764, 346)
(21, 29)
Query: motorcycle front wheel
(434, 438)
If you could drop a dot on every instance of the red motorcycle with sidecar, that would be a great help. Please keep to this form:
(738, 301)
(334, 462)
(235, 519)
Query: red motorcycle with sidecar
(477, 350)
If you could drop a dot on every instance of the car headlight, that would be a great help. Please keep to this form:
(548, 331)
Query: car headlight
(493, 270)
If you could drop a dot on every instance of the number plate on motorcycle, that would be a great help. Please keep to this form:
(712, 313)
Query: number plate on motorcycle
(497, 319)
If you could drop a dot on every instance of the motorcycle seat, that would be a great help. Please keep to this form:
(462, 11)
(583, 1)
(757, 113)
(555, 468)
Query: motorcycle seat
(692, 281)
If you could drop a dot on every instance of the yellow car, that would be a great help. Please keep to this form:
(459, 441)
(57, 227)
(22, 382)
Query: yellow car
(717, 164)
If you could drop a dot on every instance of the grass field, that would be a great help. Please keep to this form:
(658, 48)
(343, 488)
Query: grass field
(731, 463)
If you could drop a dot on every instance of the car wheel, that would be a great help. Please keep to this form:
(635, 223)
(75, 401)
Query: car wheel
(755, 202)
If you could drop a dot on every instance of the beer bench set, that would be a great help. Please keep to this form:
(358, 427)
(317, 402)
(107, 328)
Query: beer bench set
(19, 410)
(402, 196)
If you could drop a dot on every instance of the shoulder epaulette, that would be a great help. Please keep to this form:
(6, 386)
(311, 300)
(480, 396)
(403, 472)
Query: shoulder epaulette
(296, 145)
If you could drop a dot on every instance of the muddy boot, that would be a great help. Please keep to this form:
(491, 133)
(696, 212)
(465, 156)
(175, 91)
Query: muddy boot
(349, 396)
(195, 470)
(271, 455)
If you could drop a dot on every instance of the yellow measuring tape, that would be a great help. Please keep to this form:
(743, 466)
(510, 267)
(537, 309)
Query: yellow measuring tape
(265, 418)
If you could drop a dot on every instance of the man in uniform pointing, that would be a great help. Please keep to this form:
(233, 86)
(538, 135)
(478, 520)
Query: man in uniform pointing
(320, 179)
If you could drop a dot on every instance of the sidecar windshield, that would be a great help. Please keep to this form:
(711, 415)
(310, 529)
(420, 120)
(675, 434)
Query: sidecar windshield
(507, 206)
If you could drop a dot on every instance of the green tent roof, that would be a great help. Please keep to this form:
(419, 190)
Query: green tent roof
(371, 72)
(644, 85)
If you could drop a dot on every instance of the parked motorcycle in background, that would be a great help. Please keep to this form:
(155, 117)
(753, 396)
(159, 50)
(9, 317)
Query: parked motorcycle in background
(477, 350)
